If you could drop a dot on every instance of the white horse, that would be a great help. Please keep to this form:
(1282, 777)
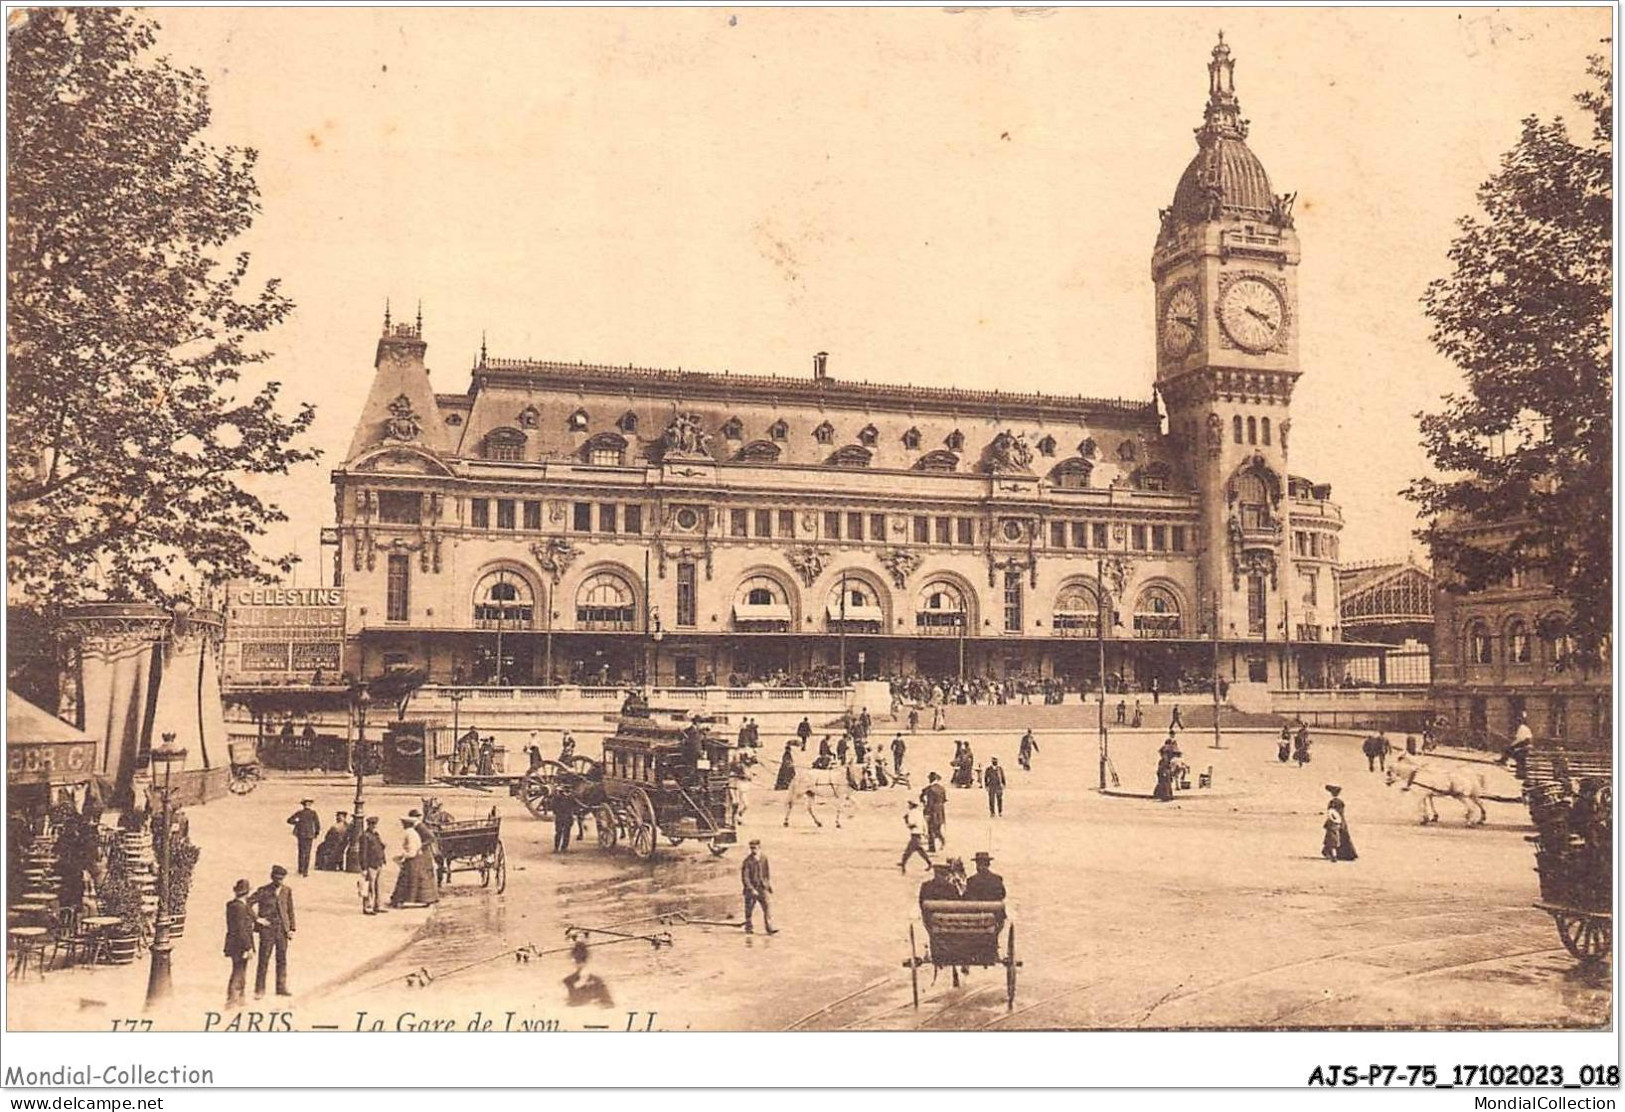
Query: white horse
(810, 783)
(1455, 781)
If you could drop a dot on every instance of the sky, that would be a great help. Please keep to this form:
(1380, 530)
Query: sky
(938, 196)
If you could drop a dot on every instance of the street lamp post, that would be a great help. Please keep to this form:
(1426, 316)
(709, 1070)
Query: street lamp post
(457, 696)
(1100, 643)
(159, 981)
(1217, 741)
(362, 699)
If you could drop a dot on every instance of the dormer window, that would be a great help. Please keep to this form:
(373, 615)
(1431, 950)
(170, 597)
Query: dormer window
(779, 430)
(868, 435)
(824, 433)
(1087, 448)
(628, 422)
(733, 429)
(1047, 446)
(955, 441)
(607, 449)
(578, 421)
(1072, 474)
(939, 462)
(853, 455)
(529, 417)
(1126, 451)
(911, 440)
(505, 445)
(455, 420)
(1152, 477)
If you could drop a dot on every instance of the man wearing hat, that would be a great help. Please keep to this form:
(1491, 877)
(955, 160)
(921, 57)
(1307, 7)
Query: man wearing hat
(239, 942)
(911, 819)
(273, 918)
(984, 883)
(306, 825)
(993, 781)
(934, 798)
(757, 881)
(373, 857)
(940, 885)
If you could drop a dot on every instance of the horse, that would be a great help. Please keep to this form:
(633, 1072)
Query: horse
(809, 783)
(1467, 785)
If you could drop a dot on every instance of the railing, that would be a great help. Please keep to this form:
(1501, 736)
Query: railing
(1350, 695)
(443, 697)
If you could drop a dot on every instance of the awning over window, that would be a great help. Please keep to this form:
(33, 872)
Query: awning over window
(855, 613)
(761, 612)
(43, 749)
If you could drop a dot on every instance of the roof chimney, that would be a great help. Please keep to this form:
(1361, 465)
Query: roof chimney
(821, 366)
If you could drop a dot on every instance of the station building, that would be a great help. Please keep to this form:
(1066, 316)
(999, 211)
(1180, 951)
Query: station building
(569, 523)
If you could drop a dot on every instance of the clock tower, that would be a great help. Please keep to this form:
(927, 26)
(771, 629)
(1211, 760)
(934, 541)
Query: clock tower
(1225, 272)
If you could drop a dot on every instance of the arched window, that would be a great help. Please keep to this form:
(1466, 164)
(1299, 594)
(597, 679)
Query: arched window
(868, 435)
(1519, 648)
(503, 598)
(505, 445)
(941, 610)
(1156, 614)
(758, 451)
(1046, 446)
(607, 449)
(1235, 426)
(733, 429)
(911, 439)
(578, 421)
(1252, 430)
(779, 430)
(1253, 498)
(824, 433)
(628, 422)
(955, 441)
(1479, 650)
(1072, 474)
(1264, 431)
(1554, 633)
(940, 461)
(1077, 612)
(605, 600)
(1153, 476)
(852, 455)
(761, 604)
(854, 605)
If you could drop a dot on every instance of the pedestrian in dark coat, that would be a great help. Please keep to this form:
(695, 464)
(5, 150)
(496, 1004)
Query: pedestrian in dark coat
(274, 920)
(934, 798)
(373, 856)
(787, 769)
(898, 748)
(239, 942)
(564, 816)
(1029, 746)
(993, 781)
(757, 881)
(804, 731)
(307, 824)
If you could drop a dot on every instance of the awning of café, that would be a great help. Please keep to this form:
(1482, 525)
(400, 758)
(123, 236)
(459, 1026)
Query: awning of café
(43, 749)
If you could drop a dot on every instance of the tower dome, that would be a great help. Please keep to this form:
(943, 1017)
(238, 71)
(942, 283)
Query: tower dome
(1225, 179)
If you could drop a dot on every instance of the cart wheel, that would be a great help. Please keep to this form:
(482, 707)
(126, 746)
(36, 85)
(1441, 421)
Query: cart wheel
(1010, 964)
(585, 767)
(717, 848)
(609, 831)
(673, 841)
(1589, 938)
(240, 785)
(644, 822)
(502, 870)
(643, 841)
(914, 966)
(485, 871)
(536, 789)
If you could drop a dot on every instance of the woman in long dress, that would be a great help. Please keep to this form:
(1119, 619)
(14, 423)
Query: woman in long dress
(406, 887)
(1337, 845)
(1165, 779)
(787, 769)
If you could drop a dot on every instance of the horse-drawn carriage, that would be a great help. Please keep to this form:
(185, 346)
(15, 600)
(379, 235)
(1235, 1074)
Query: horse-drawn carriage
(960, 934)
(1571, 799)
(472, 846)
(657, 779)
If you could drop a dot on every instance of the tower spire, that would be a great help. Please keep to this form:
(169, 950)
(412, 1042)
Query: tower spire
(1222, 117)
(420, 316)
(482, 347)
(386, 316)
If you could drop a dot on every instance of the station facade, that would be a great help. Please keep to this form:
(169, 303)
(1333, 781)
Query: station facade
(567, 523)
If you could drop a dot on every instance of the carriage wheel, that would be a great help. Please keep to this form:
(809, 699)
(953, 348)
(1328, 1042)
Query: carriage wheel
(536, 789)
(585, 767)
(485, 870)
(644, 823)
(717, 848)
(241, 784)
(670, 841)
(914, 965)
(1589, 938)
(1010, 964)
(609, 830)
(502, 870)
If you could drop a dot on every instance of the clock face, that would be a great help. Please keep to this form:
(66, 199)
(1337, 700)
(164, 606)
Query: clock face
(1252, 314)
(1179, 321)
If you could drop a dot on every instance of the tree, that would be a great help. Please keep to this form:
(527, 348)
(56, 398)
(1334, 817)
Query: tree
(129, 426)
(1527, 452)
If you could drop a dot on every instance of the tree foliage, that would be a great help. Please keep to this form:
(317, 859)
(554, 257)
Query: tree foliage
(131, 323)
(1527, 451)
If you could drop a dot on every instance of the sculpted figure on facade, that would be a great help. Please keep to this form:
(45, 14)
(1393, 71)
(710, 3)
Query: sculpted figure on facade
(402, 423)
(900, 563)
(1215, 435)
(808, 560)
(1009, 452)
(556, 556)
(684, 437)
